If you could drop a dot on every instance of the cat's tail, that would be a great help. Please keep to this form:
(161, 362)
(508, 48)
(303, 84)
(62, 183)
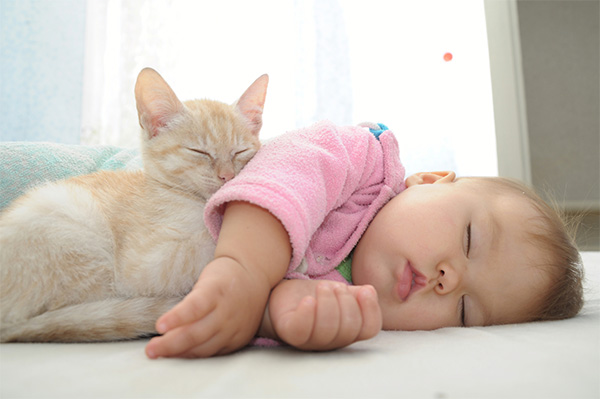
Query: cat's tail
(107, 320)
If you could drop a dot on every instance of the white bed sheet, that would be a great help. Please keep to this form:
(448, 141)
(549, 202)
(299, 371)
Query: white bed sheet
(535, 360)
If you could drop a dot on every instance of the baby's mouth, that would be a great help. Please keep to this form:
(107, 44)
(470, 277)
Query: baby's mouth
(410, 281)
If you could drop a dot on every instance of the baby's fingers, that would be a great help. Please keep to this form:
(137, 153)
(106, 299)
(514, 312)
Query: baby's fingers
(327, 323)
(350, 317)
(181, 339)
(193, 307)
(371, 312)
(296, 327)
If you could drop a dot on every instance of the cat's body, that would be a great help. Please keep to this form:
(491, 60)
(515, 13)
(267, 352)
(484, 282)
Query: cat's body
(102, 256)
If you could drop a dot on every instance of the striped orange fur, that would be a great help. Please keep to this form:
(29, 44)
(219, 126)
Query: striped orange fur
(102, 256)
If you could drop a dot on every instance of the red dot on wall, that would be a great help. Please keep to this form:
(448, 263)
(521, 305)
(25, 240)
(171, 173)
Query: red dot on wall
(448, 57)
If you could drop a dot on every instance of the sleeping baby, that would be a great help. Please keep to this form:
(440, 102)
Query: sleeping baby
(321, 242)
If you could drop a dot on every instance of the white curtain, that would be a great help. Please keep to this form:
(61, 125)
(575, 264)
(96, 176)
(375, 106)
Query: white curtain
(343, 60)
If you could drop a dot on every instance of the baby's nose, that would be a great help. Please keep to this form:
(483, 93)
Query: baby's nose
(447, 279)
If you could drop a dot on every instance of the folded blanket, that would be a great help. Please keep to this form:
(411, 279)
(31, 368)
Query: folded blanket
(24, 165)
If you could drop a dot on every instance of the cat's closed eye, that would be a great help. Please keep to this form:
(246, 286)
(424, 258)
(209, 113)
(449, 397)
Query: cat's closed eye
(203, 153)
(243, 153)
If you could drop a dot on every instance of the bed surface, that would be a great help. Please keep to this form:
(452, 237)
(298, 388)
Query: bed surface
(536, 360)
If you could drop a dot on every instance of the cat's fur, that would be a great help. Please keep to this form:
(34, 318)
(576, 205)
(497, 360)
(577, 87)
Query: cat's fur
(102, 256)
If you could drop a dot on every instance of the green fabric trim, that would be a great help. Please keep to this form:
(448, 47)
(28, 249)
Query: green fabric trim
(345, 268)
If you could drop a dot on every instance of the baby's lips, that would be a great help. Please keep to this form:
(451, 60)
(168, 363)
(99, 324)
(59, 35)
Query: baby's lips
(405, 282)
(410, 281)
(419, 280)
(418, 277)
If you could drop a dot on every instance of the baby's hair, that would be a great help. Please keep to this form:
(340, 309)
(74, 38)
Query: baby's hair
(554, 236)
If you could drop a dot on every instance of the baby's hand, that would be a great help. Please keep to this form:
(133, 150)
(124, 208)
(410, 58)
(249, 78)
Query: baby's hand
(334, 315)
(220, 315)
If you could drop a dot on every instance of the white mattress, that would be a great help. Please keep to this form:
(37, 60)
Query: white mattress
(536, 360)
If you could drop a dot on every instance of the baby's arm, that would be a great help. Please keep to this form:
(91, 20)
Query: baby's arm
(321, 315)
(224, 310)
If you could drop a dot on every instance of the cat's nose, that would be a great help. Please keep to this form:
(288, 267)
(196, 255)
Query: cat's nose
(225, 176)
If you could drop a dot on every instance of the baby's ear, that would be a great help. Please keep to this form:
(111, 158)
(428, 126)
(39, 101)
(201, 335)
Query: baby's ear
(430, 178)
(156, 102)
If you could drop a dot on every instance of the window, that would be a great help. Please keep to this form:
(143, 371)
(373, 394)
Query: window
(419, 67)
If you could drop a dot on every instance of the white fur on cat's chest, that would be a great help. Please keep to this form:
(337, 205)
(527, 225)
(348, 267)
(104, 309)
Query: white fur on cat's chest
(166, 252)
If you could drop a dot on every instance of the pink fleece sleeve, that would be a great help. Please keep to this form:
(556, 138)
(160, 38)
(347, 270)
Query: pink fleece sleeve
(302, 176)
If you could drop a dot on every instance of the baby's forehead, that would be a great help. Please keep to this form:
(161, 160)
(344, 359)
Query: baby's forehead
(499, 191)
(519, 283)
(523, 296)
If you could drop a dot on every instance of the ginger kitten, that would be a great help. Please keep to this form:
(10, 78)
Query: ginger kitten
(100, 257)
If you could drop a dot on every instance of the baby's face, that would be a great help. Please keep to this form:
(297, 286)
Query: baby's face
(450, 254)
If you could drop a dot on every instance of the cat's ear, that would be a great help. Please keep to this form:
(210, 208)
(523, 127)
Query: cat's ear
(156, 102)
(252, 102)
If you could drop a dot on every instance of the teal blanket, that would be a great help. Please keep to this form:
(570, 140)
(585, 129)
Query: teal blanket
(24, 165)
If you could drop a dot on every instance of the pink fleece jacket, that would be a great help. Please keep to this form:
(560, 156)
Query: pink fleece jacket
(325, 184)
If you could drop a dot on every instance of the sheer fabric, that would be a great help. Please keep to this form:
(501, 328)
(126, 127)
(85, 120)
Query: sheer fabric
(419, 67)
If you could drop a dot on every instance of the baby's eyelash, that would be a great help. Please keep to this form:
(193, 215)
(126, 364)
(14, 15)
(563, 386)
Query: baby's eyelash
(468, 248)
